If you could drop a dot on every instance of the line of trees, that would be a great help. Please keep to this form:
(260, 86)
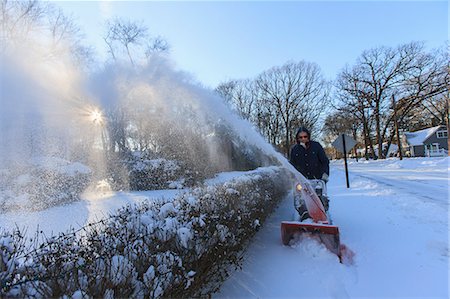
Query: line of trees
(22, 22)
(280, 100)
(405, 82)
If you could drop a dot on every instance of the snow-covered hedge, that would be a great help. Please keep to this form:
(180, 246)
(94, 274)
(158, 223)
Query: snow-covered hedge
(41, 183)
(179, 248)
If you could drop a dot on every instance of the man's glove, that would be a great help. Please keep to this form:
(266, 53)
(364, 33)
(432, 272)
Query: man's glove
(325, 177)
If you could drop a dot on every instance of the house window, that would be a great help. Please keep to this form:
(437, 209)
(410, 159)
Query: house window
(442, 134)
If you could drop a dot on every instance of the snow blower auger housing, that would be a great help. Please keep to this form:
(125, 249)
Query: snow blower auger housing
(309, 202)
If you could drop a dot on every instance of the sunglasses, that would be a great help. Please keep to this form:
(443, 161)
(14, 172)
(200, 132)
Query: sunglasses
(303, 137)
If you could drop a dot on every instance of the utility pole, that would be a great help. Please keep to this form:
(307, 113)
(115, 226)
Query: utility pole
(354, 136)
(399, 142)
(447, 120)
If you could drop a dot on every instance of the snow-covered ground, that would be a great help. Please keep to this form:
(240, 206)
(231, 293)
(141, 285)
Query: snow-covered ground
(394, 217)
(92, 208)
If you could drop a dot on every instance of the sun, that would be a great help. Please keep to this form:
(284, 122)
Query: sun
(96, 116)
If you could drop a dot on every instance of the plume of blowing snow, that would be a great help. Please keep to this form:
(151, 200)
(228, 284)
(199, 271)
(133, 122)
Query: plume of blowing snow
(53, 108)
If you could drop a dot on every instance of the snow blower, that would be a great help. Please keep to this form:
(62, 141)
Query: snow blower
(313, 218)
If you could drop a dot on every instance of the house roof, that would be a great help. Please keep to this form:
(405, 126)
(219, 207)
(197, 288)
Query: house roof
(419, 137)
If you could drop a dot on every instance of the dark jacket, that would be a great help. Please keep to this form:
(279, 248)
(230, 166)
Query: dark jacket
(312, 162)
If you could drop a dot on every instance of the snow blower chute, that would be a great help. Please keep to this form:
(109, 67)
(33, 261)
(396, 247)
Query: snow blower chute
(310, 203)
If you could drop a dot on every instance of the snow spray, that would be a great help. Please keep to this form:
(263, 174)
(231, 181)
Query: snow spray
(51, 108)
(44, 109)
(159, 86)
(47, 130)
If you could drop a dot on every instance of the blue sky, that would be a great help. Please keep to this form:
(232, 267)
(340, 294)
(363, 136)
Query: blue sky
(221, 40)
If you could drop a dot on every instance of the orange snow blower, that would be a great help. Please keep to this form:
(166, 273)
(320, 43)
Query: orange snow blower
(309, 203)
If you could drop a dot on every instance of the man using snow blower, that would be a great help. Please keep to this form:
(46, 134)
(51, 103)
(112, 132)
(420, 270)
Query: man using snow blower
(309, 158)
(311, 199)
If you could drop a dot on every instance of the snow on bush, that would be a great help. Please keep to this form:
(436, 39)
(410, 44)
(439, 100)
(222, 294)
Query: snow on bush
(41, 183)
(181, 248)
(154, 174)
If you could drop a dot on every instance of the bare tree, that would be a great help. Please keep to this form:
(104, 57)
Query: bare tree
(226, 90)
(156, 45)
(297, 92)
(19, 19)
(355, 101)
(241, 95)
(23, 22)
(130, 36)
(280, 100)
(434, 90)
(340, 122)
(125, 34)
(65, 34)
(406, 72)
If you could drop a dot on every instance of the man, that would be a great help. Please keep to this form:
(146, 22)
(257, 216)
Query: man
(308, 157)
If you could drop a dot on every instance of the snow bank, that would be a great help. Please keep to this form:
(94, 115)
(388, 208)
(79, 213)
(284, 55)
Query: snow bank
(418, 164)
